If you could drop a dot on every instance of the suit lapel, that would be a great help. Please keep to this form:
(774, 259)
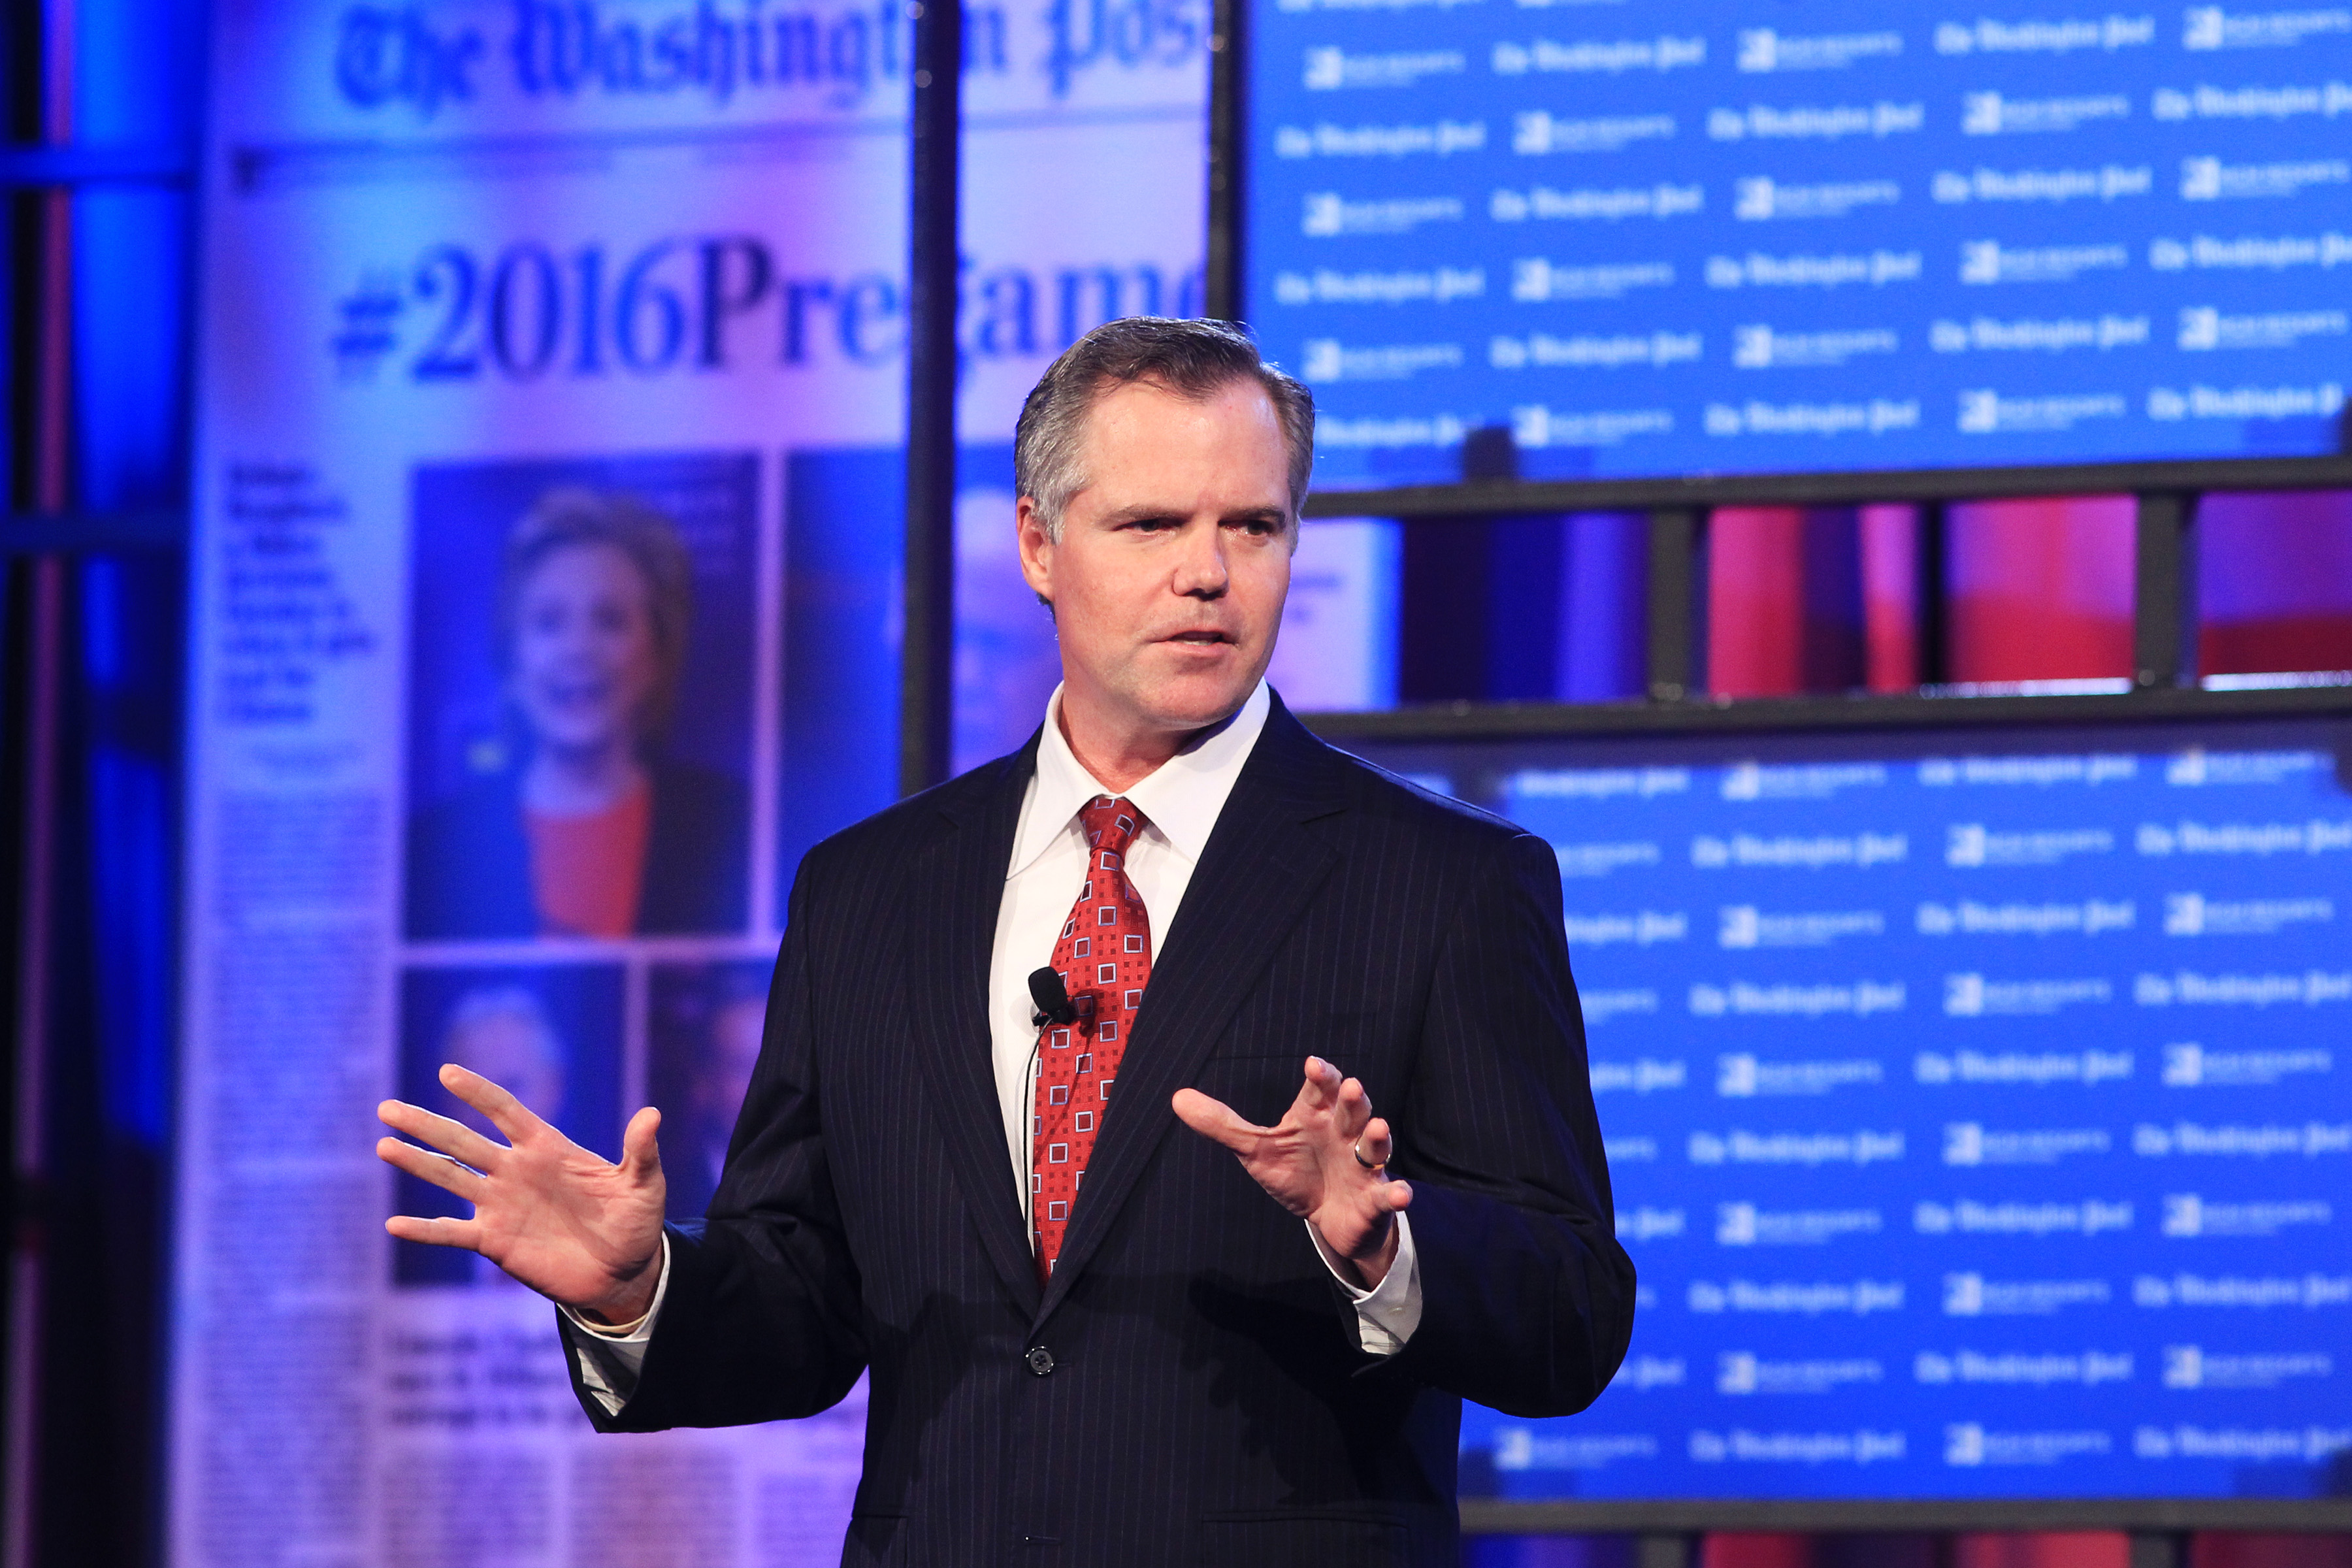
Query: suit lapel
(956, 928)
(1260, 870)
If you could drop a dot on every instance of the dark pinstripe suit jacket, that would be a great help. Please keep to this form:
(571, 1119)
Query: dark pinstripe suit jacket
(1205, 1400)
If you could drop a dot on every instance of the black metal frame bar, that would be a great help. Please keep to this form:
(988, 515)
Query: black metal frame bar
(1932, 634)
(1228, 140)
(926, 661)
(1677, 603)
(2163, 615)
(1471, 722)
(1855, 488)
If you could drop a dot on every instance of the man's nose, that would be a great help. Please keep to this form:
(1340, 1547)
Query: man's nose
(1200, 567)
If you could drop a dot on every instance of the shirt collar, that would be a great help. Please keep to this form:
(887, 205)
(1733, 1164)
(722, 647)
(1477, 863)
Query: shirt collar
(1182, 798)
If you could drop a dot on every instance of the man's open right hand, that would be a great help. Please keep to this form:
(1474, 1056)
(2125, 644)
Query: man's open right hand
(561, 1219)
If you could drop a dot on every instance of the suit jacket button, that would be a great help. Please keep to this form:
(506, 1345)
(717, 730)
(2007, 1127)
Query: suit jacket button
(1040, 1360)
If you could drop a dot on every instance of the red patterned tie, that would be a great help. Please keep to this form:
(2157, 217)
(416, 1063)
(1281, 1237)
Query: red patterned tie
(1104, 956)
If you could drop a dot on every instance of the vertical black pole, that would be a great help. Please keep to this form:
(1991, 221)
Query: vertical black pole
(1226, 127)
(1664, 1549)
(927, 659)
(42, 370)
(1677, 587)
(2164, 607)
(1934, 624)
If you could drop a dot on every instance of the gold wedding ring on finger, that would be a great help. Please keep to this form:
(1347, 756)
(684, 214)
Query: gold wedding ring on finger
(1357, 1148)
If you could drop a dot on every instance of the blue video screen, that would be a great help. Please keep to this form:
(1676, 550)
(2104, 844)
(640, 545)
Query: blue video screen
(1979, 1107)
(1746, 236)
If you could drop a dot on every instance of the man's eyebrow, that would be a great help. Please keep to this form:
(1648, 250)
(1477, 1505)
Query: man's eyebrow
(1146, 511)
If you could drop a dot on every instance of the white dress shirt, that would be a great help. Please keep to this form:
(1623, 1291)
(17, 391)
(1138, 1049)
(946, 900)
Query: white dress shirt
(1180, 803)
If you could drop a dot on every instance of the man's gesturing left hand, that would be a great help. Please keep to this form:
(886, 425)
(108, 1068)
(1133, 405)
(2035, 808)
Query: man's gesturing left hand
(1307, 1162)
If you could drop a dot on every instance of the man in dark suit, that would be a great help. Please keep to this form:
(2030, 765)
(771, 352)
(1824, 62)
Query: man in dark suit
(1094, 1338)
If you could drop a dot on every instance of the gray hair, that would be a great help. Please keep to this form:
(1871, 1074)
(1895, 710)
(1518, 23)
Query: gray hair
(1192, 359)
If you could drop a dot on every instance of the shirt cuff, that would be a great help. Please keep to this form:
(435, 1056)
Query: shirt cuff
(1387, 1314)
(611, 1355)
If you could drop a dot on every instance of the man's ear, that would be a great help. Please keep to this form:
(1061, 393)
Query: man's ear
(1037, 549)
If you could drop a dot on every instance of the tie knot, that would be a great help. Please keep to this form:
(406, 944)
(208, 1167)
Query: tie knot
(1110, 822)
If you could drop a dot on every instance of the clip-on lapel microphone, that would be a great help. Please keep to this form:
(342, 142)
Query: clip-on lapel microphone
(1053, 1006)
(1053, 998)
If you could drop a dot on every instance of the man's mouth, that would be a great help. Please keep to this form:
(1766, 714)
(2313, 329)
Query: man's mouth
(1200, 638)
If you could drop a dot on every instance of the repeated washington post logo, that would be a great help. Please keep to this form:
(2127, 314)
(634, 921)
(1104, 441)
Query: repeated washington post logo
(2075, 1214)
(1572, 212)
(2055, 1211)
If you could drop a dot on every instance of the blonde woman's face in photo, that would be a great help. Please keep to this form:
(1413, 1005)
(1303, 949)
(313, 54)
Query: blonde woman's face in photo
(584, 660)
